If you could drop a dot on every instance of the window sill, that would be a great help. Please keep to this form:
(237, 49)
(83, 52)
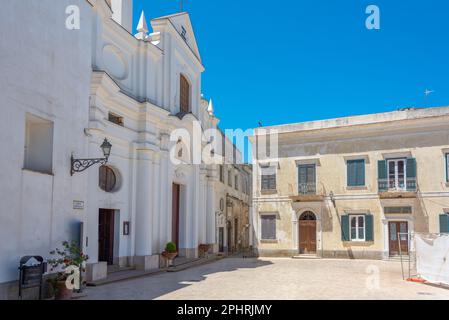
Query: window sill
(357, 188)
(38, 172)
(269, 241)
(357, 243)
(265, 192)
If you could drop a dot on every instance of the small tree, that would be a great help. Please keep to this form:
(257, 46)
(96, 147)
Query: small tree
(171, 247)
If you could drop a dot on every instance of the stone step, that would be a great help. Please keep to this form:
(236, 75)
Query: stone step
(114, 269)
(193, 263)
(124, 275)
(307, 257)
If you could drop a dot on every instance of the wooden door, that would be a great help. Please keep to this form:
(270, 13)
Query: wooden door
(236, 234)
(397, 240)
(229, 236)
(106, 236)
(307, 236)
(175, 214)
(221, 239)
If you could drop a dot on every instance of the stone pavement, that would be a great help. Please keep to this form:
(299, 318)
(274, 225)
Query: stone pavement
(275, 278)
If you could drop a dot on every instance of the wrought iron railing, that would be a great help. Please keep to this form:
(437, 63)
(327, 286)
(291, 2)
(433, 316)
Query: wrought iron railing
(391, 185)
(307, 188)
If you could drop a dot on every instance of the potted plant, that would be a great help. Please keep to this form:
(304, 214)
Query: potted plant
(203, 249)
(70, 256)
(170, 252)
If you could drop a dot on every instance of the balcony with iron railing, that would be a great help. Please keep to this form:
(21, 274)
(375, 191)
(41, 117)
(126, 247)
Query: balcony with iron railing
(402, 188)
(307, 188)
(308, 192)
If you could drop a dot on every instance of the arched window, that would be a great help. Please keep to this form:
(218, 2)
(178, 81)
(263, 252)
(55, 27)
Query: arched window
(184, 95)
(107, 179)
(309, 216)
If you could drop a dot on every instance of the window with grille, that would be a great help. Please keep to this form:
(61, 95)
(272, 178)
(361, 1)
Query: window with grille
(268, 227)
(185, 95)
(268, 182)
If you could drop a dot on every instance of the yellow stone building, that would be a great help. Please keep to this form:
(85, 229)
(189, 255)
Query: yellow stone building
(355, 187)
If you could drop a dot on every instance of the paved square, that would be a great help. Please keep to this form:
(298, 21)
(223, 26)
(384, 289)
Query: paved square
(273, 278)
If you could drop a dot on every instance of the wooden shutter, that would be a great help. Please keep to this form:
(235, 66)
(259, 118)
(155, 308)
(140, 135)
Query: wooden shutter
(369, 228)
(444, 223)
(268, 227)
(382, 175)
(352, 173)
(356, 173)
(345, 228)
(360, 174)
(302, 174)
(184, 95)
(411, 174)
(446, 156)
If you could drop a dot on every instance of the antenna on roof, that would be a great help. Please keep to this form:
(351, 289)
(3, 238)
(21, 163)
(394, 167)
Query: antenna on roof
(181, 5)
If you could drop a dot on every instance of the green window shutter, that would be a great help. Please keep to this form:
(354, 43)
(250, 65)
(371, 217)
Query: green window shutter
(351, 173)
(444, 223)
(361, 173)
(411, 174)
(446, 157)
(382, 175)
(411, 168)
(345, 228)
(369, 228)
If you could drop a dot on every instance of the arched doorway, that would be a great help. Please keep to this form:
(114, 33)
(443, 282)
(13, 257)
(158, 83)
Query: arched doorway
(307, 233)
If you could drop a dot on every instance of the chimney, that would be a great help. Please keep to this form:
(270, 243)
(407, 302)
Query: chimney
(122, 13)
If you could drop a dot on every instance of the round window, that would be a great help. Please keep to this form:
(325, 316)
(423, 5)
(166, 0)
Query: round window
(107, 179)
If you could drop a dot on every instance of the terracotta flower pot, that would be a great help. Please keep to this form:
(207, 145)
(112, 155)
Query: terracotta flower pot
(169, 255)
(62, 292)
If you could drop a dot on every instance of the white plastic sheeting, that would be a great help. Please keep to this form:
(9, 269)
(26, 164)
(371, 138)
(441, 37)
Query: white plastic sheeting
(432, 257)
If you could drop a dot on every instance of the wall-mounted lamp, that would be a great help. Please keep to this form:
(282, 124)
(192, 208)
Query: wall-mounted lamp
(80, 165)
(332, 196)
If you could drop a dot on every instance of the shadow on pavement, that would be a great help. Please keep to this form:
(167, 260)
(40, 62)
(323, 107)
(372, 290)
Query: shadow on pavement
(159, 285)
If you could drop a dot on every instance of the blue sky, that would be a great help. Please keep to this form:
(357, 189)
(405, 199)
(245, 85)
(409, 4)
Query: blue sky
(291, 60)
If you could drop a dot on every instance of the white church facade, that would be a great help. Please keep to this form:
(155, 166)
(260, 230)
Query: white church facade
(78, 88)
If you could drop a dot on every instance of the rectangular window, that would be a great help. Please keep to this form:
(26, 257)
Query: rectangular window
(447, 167)
(38, 144)
(230, 178)
(221, 173)
(268, 182)
(396, 174)
(355, 173)
(236, 182)
(357, 227)
(307, 179)
(118, 120)
(268, 224)
(398, 210)
(184, 95)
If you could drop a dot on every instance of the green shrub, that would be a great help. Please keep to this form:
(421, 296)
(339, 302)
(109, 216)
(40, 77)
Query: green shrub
(170, 247)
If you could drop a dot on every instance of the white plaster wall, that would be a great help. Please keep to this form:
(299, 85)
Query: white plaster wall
(46, 70)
